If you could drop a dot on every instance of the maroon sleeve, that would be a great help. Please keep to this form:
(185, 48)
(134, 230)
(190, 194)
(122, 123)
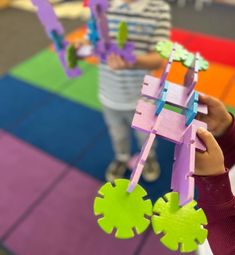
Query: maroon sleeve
(227, 144)
(218, 203)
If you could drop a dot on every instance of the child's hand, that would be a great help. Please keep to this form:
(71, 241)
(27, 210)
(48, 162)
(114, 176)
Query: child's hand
(115, 62)
(210, 162)
(218, 118)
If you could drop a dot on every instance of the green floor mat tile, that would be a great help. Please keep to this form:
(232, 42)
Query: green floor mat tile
(231, 109)
(43, 70)
(84, 89)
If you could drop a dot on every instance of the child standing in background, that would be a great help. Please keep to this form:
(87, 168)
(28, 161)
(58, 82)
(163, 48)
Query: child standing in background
(120, 83)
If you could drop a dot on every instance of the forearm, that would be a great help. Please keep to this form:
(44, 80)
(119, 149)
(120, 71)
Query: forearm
(227, 144)
(218, 203)
(149, 61)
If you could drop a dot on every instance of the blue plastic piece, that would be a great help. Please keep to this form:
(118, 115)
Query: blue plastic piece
(57, 40)
(93, 35)
(191, 111)
(160, 102)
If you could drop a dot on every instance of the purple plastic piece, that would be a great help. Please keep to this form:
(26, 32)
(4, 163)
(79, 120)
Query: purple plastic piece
(183, 167)
(103, 6)
(50, 22)
(112, 48)
(105, 46)
(47, 16)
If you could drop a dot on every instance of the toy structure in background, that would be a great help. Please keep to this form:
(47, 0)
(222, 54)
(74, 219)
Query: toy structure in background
(173, 215)
(55, 32)
(98, 35)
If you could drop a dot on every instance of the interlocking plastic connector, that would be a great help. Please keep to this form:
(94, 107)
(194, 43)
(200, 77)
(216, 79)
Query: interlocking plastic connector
(192, 109)
(164, 48)
(203, 65)
(161, 100)
(182, 226)
(122, 212)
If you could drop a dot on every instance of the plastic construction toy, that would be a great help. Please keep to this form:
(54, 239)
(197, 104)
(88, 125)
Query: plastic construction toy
(122, 212)
(174, 215)
(178, 128)
(55, 32)
(181, 226)
(98, 34)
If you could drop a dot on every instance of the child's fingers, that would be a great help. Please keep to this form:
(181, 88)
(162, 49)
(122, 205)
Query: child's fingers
(208, 100)
(208, 139)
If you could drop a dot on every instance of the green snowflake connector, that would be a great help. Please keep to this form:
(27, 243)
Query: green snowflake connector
(71, 56)
(122, 34)
(182, 226)
(203, 64)
(164, 48)
(122, 212)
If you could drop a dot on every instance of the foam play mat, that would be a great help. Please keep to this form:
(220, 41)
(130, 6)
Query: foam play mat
(54, 149)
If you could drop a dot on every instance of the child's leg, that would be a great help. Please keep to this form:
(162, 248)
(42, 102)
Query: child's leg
(119, 132)
(151, 171)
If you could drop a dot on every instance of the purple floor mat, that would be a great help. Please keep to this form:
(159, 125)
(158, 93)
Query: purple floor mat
(153, 244)
(24, 173)
(64, 224)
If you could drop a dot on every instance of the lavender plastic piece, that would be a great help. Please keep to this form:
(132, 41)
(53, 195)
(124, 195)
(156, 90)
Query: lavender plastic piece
(51, 24)
(104, 50)
(135, 176)
(169, 125)
(177, 95)
(191, 76)
(168, 66)
(183, 167)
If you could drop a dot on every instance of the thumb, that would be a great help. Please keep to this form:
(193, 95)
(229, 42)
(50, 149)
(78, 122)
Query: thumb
(208, 139)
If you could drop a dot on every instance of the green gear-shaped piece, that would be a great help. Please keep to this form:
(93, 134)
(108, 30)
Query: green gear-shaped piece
(71, 56)
(121, 210)
(181, 225)
(164, 48)
(203, 64)
(122, 34)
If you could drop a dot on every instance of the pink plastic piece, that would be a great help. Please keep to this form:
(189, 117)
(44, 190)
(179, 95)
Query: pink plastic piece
(177, 95)
(183, 168)
(50, 22)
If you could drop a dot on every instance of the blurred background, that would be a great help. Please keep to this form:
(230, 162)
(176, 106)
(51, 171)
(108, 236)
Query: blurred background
(54, 146)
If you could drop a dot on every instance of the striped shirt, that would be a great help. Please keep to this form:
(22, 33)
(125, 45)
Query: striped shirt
(148, 22)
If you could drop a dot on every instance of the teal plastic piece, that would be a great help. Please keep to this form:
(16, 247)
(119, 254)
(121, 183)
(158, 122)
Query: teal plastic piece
(160, 102)
(164, 48)
(182, 226)
(191, 112)
(122, 35)
(57, 40)
(71, 56)
(203, 65)
(92, 31)
(122, 212)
